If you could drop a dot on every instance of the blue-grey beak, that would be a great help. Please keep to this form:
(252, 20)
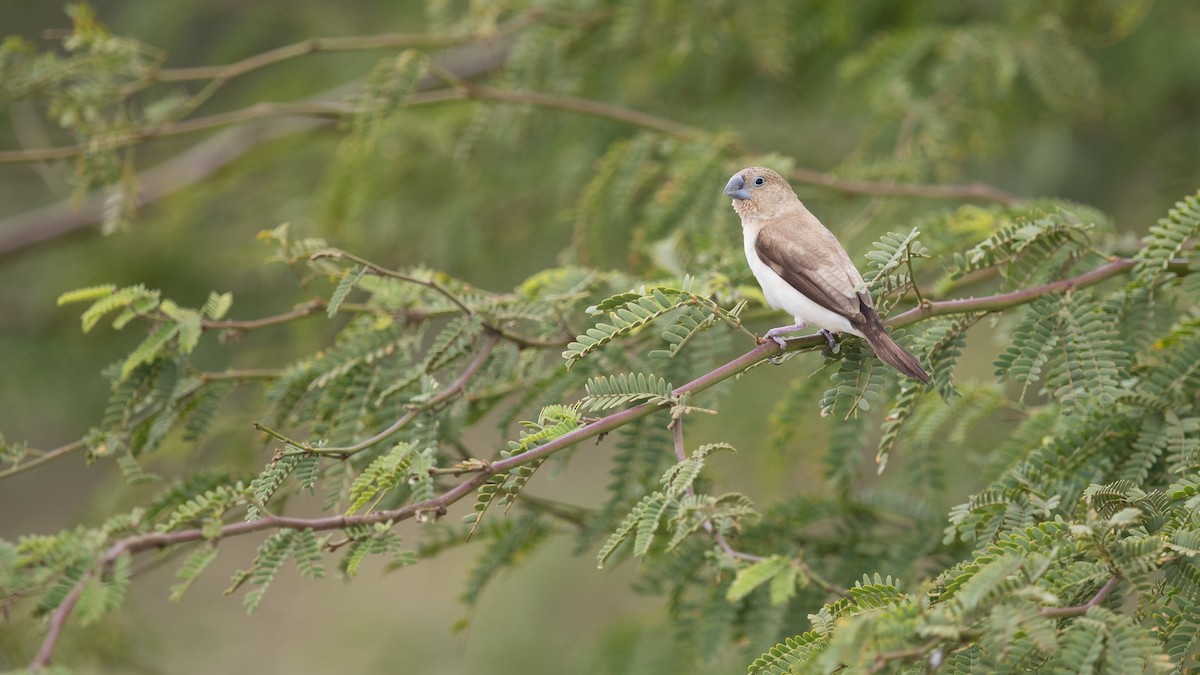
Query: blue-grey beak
(736, 188)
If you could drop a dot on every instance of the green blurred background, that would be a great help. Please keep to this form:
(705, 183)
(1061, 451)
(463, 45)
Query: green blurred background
(488, 196)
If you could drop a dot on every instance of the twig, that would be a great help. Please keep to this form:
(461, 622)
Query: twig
(1079, 610)
(59, 620)
(377, 270)
(453, 389)
(604, 425)
(912, 275)
(385, 272)
(245, 374)
(994, 303)
(975, 190)
(272, 57)
(881, 660)
(302, 310)
(48, 456)
(39, 226)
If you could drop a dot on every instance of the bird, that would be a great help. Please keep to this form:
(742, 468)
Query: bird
(804, 270)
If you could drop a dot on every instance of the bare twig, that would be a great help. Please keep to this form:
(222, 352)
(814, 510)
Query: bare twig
(1079, 610)
(385, 41)
(452, 390)
(516, 338)
(58, 620)
(437, 505)
(42, 225)
(304, 309)
(47, 456)
(246, 374)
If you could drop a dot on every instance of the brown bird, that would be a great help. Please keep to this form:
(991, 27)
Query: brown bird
(804, 271)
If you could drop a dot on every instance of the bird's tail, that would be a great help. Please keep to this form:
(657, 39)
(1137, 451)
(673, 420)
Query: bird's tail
(889, 351)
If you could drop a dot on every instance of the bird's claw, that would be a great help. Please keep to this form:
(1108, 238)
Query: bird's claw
(830, 340)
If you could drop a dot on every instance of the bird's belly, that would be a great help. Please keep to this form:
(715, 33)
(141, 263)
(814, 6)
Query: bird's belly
(780, 295)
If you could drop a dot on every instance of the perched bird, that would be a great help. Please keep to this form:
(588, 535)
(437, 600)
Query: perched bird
(804, 271)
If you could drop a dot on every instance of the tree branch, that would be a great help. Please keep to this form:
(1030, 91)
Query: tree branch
(1079, 610)
(976, 190)
(455, 388)
(45, 224)
(438, 505)
(48, 456)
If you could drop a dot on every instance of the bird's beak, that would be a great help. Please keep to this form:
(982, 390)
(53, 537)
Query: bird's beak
(736, 188)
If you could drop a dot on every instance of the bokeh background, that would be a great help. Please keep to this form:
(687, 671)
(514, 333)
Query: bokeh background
(489, 194)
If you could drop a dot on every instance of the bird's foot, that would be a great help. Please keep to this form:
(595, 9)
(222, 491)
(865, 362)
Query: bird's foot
(776, 335)
(829, 339)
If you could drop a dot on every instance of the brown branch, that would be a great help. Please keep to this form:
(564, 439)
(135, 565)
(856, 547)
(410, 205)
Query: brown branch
(378, 270)
(42, 225)
(584, 106)
(47, 456)
(302, 310)
(248, 374)
(975, 190)
(599, 427)
(58, 621)
(1002, 301)
(221, 75)
(330, 109)
(452, 390)
(1079, 610)
(335, 44)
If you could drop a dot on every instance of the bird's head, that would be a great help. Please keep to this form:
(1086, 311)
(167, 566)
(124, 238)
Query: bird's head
(758, 191)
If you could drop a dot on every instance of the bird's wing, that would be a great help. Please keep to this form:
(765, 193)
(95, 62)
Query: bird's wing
(815, 266)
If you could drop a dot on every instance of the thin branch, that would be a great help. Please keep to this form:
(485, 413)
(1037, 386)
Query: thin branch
(583, 106)
(976, 190)
(437, 505)
(385, 272)
(302, 310)
(221, 75)
(1002, 301)
(48, 456)
(329, 109)
(59, 620)
(1079, 610)
(245, 374)
(882, 660)
(452, 390)
(912, 275)
(336, 44)
(41, 225)
(377, 270)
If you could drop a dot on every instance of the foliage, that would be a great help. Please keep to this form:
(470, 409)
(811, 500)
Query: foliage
(1064, 486)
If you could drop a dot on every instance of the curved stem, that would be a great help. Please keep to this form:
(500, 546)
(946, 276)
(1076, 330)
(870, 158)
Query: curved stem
(48, 456)
(437, 506)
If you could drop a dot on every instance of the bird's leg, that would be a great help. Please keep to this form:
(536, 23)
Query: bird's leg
(829, 338)
(776, 335)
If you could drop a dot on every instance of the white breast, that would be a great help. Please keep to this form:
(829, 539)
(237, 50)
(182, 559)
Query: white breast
(780, 295)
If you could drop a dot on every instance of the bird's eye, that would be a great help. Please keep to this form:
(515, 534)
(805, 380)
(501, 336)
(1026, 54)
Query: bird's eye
(759, 180)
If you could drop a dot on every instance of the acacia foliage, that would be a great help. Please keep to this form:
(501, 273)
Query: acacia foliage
(1074, 548)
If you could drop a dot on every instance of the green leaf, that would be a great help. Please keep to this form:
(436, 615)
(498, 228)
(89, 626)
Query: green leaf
(150, 349)
(217, 305)
(754, 575)
(344, 286)
(85, 294)
(191, 569)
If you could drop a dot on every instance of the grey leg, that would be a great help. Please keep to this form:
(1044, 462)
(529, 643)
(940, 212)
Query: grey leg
(776, 335)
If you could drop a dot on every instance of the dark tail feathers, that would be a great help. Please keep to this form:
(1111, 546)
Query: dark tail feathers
(889, 351)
